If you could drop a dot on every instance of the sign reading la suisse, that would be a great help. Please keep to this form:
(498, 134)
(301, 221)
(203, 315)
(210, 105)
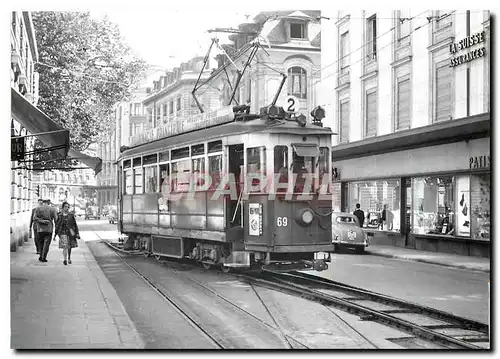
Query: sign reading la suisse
(466, 43)
(183, 125)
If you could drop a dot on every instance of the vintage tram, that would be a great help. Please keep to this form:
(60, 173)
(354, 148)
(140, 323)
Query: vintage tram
(230, 189)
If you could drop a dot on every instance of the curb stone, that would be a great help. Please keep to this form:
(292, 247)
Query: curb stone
(430, 261)
(127, 332)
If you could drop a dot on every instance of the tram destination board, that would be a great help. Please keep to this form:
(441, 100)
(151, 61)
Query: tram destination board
(184, 125)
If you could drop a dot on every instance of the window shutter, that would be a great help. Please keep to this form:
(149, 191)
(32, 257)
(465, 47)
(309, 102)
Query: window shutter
(443, 92)
(344, 122)
(403, 105)
(371, 114)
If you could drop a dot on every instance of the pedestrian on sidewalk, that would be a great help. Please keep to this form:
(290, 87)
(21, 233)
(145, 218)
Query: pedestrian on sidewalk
(33, 225)
(360, 214)
(67, 230)
(45, 217)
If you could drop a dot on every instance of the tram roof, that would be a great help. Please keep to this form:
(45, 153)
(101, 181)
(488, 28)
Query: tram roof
(224, 130)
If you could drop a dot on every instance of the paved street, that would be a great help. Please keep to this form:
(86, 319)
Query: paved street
(458, 291)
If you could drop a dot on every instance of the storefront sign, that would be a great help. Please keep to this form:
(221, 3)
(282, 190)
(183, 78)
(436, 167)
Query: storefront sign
(466, 43)
(184, 125)
(479, 162)
(17, 148)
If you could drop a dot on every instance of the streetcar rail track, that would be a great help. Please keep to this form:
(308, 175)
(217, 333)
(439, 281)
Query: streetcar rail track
(182, 312)
(287, 283)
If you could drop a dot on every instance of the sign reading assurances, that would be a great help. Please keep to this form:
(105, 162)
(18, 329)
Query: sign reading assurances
(466, 43)
(183, 125)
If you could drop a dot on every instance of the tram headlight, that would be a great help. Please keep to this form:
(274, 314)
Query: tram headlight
(305, 217)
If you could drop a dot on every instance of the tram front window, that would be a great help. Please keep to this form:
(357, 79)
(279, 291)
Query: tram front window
(303, 165)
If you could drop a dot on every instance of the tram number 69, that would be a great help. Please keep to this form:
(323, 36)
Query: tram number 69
(281, 221)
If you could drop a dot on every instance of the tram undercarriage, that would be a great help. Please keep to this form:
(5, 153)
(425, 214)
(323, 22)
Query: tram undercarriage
(229, 256)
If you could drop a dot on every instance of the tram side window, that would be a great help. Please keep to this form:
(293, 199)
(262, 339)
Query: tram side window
(164, 178)
(303, 163)
(198, 170)
(138, 181)
(215, 170)
(150, 179)
(180, 176)
(129, 182)
(281, 165)
(256, 167)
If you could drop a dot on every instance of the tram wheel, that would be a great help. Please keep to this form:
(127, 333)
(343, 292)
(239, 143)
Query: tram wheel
(226, 269)
(146, 254)
(158, 258)
(206, 265)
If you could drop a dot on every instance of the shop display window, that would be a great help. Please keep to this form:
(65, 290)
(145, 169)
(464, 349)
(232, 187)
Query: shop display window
(441, 205)
(381, 202)
(480, 207)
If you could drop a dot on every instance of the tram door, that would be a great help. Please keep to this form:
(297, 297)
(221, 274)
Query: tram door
(235, 167)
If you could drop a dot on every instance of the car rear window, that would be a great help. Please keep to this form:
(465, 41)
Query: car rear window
(346, 220)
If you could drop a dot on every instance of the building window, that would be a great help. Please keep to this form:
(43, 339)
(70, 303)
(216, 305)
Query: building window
(297, 81)
(371, 37)
(371, 114)
(297, 31)
(345, 46)
(443, 96)
(171, 109)
(150, 179)
(403, 26)
(443, 19)
(403, 100)
(441, 205)
(381, 202)
(344, 121)
(179, 104)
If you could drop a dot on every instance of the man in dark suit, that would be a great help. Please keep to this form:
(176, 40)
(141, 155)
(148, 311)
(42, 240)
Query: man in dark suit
(360, 214)
(45, 217)
(34, 226)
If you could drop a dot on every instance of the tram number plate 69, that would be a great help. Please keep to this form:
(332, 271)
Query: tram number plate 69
(281, 221)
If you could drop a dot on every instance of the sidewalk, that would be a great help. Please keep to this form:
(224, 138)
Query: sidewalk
(443, 259)
(54, 306)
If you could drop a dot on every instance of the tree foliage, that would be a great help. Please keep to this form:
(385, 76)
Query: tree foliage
(85, 68)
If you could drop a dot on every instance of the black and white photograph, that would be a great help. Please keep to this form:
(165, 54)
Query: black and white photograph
(249, 177)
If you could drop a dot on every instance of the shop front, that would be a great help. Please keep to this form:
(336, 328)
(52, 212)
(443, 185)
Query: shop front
(428, 188)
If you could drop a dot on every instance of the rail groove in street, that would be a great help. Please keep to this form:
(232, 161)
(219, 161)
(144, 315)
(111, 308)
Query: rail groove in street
(182, 312)
(349, 299)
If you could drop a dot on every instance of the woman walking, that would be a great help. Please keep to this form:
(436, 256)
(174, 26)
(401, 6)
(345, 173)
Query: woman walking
(67, 230)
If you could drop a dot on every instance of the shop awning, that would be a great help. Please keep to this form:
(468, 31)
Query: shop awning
(94, 163)
(39, 124)
(306, 150)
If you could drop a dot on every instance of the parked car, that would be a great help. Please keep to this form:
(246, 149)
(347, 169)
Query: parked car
(79, 212)
(92, 212)
(112, 214)
(346, 232)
